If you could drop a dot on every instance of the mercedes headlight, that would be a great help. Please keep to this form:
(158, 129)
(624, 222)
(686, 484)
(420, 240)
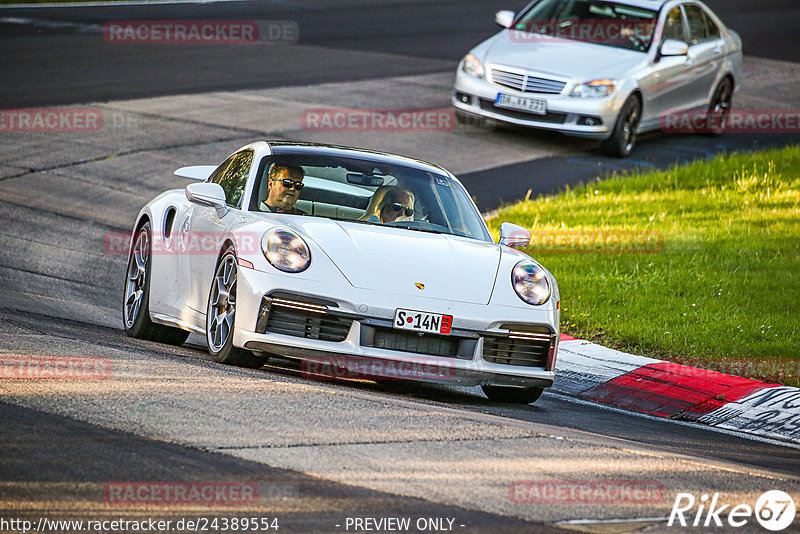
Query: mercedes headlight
(286, 250)
(530, 282)
(594, 89)
(472, 66)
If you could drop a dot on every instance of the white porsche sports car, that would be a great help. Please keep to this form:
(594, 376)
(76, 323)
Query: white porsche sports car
(356, 263)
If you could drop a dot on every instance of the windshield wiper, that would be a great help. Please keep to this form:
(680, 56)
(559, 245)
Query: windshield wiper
(417, 229)
(391, 225)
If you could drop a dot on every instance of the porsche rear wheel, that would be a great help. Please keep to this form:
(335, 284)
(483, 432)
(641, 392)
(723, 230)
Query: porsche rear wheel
(221, 316)
(513, 395)
(136, 307)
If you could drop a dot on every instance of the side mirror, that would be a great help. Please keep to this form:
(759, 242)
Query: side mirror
(674, 47)
(514, 236)
(209, 195)
(504, 18)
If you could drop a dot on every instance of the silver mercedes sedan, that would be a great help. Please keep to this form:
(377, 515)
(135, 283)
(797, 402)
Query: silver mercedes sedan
(601, 69)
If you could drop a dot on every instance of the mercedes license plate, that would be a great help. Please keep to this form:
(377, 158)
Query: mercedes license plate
(531, 105)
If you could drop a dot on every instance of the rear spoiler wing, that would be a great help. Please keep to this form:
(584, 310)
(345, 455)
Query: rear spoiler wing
(196, 172)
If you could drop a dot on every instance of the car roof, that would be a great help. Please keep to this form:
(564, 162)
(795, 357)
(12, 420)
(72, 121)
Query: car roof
(293, 147)
(655, 5)
(649, 4)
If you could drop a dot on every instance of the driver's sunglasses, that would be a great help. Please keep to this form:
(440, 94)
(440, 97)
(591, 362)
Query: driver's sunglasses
(397, 207)
(290, 184)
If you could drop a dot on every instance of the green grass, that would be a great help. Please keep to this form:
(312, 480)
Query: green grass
(722, 288)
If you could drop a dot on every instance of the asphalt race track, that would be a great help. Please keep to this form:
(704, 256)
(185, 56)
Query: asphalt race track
(319, 452)
(53, 56)
(55, 59)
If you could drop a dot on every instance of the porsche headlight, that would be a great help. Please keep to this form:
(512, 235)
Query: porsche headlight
(530, 282)
(472, 66)
(594, 89)
(286, 250)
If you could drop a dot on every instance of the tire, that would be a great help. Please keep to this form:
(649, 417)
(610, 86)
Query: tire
(719, 109)
(136, 303)
(514, 395)
(623, 137)
(468, 121)
(221, 316)
(463, 118)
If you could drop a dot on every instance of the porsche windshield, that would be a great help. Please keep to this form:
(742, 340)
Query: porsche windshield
(591, 21)
(367, 192)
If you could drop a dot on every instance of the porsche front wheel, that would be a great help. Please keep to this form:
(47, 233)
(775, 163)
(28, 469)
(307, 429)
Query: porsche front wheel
(221, 316)
(136, 307)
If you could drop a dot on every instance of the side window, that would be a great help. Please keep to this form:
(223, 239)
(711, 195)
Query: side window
(701, 28)
(234, 178)
(711, 28)
(673, 25)
(219, 171)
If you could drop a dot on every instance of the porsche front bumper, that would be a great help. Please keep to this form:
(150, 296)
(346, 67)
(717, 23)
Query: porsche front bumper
(352, 335)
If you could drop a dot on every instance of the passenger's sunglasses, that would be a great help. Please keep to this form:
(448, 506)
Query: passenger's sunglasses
(290, 184)
(397, 208)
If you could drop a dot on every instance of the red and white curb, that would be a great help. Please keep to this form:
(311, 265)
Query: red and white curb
(596, 373)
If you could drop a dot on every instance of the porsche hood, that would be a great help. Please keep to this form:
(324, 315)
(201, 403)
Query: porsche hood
(404, 261)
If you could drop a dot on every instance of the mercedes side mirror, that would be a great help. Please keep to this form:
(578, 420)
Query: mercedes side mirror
(504, 18)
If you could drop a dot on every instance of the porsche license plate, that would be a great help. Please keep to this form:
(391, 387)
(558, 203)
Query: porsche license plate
(531, 105)
(431, 323)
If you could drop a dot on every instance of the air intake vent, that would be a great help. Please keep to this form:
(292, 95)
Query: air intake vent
(520, 348)
(301, 319)
(430, 344)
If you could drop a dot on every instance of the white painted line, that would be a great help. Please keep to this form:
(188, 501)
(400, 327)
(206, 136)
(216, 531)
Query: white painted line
(611, 521)
(53, 24)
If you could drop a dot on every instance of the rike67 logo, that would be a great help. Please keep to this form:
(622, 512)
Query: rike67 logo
(774, 510)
